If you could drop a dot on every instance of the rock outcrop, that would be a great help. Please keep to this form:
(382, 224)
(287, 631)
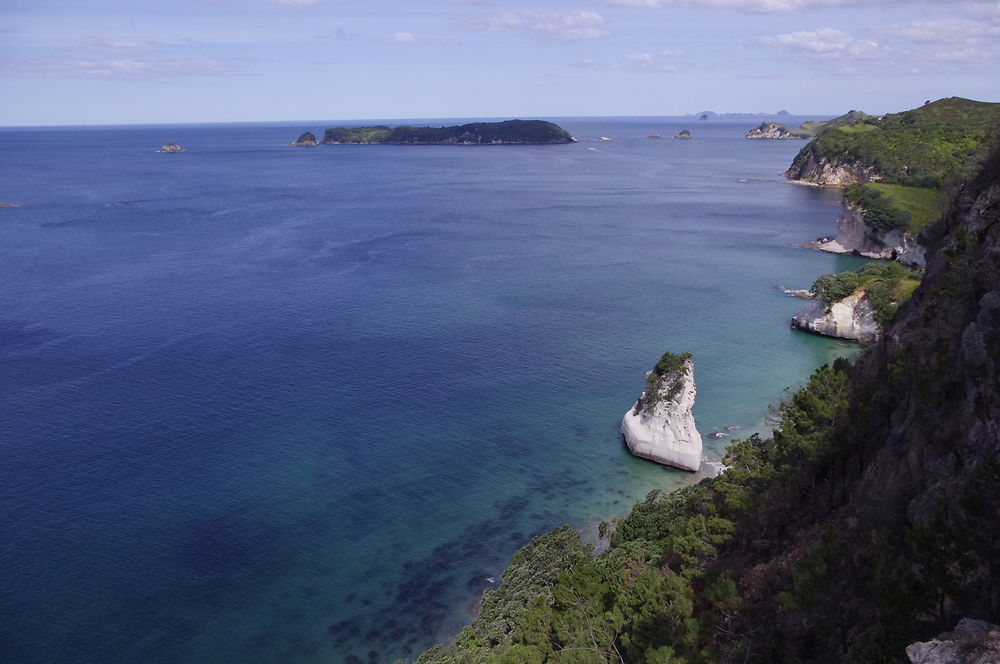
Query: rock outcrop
(773, 130)
(851, 318)
(683, 133)
(809, 168)
(854, 236)
(660, 427)
(171, 147)
(971, 642)
(306, 140)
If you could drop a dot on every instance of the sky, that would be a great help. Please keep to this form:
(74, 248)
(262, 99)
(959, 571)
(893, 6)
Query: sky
(174, 61)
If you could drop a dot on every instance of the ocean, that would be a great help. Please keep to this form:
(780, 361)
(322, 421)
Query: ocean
(272, 404)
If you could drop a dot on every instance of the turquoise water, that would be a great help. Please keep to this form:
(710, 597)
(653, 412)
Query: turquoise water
(265, 404)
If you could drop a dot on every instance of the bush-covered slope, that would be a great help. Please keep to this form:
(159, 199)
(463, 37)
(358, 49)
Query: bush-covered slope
(866, 521)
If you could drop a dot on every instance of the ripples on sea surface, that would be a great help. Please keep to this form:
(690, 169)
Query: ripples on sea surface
(272, 404)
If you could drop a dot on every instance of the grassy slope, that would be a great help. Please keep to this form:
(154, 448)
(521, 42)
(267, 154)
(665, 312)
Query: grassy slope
(924, 205)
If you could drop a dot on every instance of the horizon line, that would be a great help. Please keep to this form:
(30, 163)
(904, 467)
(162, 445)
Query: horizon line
(729, 114)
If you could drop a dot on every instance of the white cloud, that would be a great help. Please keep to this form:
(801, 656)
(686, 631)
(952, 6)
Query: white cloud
(127, 68)
(403, 38)
(97, 45)
(826, 44)
(555, 25)
(772, 6)
(934, 31)
(953, 40)
(643, 63)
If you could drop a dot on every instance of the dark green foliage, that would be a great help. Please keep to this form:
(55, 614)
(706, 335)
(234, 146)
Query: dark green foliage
(307, 137)
(478, 133)
(880, 213)
(832, 288)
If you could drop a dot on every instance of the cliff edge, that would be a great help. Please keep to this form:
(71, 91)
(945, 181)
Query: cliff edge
(851, 318)
(660, 427)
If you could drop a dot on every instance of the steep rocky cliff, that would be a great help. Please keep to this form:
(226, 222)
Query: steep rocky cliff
(891, 535)
(660, 427)
(854, 236)
(813, 168)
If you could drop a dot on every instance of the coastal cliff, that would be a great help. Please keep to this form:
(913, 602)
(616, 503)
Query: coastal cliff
(660, 427)
(851, 318)
(921, 147)
(854, 236)
(829, 171)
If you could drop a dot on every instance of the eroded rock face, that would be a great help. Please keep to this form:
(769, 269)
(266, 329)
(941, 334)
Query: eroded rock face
(666, 432)
(854, 236)
(851, 318)
(773, 130)
(971, 642)
(828, 173)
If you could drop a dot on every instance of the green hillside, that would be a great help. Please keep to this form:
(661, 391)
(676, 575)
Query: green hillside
(923, 147)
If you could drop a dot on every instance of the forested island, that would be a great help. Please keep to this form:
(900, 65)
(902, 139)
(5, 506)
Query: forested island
(866, 522)
(508, 132)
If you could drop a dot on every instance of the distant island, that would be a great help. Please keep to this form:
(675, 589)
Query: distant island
(509, 132)
(704, 115)
(171, 147)
(683, 134)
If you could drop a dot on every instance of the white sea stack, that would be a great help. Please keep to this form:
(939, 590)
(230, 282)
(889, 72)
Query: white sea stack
(661, 428)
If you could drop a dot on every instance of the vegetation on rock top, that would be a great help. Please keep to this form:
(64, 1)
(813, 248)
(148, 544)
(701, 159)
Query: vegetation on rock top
(671, 366)
(887, 286)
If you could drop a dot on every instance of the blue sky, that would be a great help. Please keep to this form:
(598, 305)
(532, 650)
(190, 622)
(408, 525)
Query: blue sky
(147, 61)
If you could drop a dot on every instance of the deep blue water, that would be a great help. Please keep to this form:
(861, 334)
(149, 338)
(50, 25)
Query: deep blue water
(272, 404)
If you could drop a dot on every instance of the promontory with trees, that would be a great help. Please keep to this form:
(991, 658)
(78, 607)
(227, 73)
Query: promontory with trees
(866, 522)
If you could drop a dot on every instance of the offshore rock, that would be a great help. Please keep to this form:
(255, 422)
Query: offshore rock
(972, 642)
(662, 428)
(854, 236)
(851, 318)
(306, 140)
(171, 147)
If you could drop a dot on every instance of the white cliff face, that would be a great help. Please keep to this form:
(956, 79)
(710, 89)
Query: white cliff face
(773, 130)
(851, 318)
(666, 433)
(854, 236)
